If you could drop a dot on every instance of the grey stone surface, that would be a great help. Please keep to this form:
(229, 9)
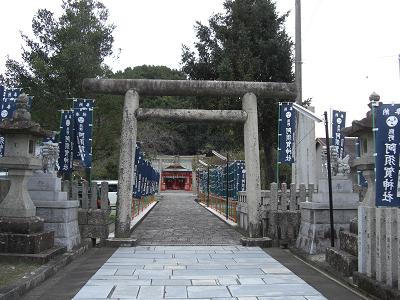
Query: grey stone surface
(59, 214)
(176, 292)
(44, 182)
(125, 291)
(341, 261)
(340, 184)
(305, 167)
(153, 87)
(126, 164)
(231, 272)
(90, 292)
(191, 115)
(178, 220)
(282, 290)
(348, 242)
(314, 233)
(151, 292)
(252, 157)
(47, 196)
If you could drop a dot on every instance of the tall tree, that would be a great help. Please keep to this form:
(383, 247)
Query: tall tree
(60, 54)
(246, 42)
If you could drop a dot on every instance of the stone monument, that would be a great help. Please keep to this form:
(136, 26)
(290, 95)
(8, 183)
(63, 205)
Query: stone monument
(21, 231)
(314, 234)
(60, 214)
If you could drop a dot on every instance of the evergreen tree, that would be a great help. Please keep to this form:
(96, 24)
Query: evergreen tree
(60, 54)
(247, 42)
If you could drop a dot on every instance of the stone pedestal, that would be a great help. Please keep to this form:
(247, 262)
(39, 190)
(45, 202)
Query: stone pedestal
(52, 205)
(314, 234)
(24, 235)
(94, 223)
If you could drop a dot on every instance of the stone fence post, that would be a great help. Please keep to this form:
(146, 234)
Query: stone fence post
(104, 195)
(273, 201)
(293, 199)
(93, 195)
(284, 197)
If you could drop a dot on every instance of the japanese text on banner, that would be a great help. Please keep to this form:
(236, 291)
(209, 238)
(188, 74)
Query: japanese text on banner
(387, 141)
(338, 123)
(66, 141)
(286, 134)
(83, 118)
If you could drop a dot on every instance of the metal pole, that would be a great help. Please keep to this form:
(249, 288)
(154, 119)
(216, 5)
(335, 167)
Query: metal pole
(297, 59)
(208, 186)
(297, 166)
(328, 159)
(227, 187)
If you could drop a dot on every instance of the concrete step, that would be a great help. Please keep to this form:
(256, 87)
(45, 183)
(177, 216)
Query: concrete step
(354, 225)
(341, 261)
(348, 242)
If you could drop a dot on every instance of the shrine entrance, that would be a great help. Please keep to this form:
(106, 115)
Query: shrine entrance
(175, 176)
(247, 92)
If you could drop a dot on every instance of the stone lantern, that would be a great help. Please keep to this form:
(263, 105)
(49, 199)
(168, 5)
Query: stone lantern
(366, 211)
(20, 230)
(365, 163)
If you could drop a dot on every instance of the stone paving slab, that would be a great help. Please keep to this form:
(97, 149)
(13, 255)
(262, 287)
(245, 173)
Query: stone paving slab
(240, 273)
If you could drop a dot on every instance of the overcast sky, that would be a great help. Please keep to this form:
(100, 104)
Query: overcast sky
(350, 47)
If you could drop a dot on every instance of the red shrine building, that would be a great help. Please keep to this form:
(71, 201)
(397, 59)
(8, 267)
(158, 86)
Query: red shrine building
(176, 174)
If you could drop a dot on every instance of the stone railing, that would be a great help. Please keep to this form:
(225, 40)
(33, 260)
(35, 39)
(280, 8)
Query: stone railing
(94, 212)
(280, 213)
(89, 196)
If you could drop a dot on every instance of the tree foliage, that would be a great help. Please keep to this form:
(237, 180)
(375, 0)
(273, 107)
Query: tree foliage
(247, 42)
(60, 54)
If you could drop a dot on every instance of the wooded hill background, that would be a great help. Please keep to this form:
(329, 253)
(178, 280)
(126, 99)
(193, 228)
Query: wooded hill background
(247, 41)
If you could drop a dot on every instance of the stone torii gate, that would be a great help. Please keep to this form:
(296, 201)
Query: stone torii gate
(132, 88)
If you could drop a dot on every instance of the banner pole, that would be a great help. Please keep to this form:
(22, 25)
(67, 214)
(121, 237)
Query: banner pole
(328, 160)
(277, 149)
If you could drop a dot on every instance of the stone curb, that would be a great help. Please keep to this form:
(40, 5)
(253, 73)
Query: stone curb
(142, 217)
(346, 281)
(15, 290)
(218, 215)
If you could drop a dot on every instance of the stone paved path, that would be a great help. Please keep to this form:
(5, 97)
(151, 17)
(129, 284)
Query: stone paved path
(195, 272)
(178, 220)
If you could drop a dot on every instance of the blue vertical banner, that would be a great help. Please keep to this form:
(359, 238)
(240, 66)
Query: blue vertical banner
(2, 139)
(8, 97)
(387, 148)
(338, 123)
(8, 102)
(286, 133)
(83, 124)
(66, 141)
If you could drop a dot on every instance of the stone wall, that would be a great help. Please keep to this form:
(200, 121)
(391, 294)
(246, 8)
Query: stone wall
(94, 212)
(280, 212)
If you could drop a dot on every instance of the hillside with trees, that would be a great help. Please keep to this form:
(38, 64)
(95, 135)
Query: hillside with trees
(245, 42)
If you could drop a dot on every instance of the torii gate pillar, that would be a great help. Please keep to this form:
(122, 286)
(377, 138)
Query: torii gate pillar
(126, 164)
(252, 158)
